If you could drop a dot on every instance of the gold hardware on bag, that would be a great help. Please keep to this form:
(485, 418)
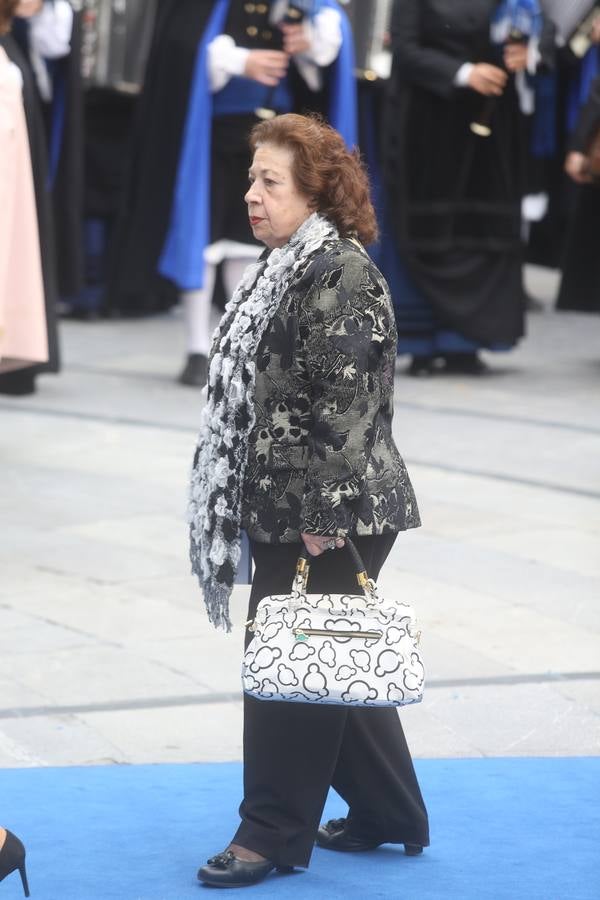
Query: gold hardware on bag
(302, 570)
(302, 634)
(363, 579)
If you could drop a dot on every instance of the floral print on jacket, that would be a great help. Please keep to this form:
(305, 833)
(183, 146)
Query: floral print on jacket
(321, 456)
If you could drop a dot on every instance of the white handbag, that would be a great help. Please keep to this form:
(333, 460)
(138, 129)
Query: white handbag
(343, 649)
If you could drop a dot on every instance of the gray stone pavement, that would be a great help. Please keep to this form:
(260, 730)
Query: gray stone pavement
(105, 652)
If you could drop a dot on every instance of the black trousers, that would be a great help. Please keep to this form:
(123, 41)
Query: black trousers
(293, 752)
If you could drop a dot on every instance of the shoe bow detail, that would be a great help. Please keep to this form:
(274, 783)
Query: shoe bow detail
(222, 860)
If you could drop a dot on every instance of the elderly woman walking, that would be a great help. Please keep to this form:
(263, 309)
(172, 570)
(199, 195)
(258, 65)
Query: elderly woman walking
(296, 448)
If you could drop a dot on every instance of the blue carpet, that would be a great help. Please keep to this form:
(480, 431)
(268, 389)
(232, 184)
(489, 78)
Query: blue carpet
(502, 829)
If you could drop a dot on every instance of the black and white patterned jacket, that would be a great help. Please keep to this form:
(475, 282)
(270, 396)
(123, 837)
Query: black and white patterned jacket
(321, 455)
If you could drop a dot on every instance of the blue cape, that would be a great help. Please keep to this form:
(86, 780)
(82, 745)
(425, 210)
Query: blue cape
(182, 258)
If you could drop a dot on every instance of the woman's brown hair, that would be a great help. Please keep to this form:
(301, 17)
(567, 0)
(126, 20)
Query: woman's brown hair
(325, 170)
(7, 11)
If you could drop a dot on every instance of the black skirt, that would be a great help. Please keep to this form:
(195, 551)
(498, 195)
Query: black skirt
(455, 203)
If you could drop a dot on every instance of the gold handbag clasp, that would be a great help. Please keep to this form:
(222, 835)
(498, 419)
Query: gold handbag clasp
(302, 571)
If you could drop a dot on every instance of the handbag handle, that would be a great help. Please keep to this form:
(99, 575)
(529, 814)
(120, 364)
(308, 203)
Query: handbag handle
(303, 568)
(300, 582)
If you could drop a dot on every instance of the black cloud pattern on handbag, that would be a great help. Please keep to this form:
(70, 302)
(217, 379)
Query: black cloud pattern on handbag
(335, 649)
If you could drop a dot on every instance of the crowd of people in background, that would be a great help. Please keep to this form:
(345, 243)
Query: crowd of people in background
(125, 199)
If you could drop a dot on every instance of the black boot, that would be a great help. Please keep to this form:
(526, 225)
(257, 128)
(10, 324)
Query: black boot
(226, 870)
(12, 857)
(195, 370)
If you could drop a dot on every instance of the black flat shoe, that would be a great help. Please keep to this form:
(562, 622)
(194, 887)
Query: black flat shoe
(195, 370)
(12, 857)
(19, 382)
(421, 366)
(465, 364)
(336, 835)
(226, 870)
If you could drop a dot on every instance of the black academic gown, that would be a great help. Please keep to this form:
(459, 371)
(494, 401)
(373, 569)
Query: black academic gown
(67, 190)
(43, 200)
(580, 285)
(134, 284)
(455, 197)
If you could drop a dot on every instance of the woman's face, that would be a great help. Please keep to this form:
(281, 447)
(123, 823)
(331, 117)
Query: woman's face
(275, 207)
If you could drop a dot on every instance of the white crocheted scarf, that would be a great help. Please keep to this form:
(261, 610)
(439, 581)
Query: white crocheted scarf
(215, 508)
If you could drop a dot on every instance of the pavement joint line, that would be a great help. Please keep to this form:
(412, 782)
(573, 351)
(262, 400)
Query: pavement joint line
(236, 697)
(404, 404)
(186, 429)
(459, 412)
(497, 417)
(97, 418)
(511, 479)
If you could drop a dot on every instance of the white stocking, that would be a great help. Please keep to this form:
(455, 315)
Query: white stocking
(233, 269)
(197, 309)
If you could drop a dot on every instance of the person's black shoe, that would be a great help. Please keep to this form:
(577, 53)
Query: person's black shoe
(421, 366)
(12, 858)
(413, 849)
(18, 382)
(226, 870)
(195, 370)
(465, 364)
(336, 835)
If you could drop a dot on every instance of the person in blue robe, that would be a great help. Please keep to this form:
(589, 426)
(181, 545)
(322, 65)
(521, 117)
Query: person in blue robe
(184, 214)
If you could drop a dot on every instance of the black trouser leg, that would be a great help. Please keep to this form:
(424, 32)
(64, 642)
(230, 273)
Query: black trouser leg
(293, 751)
(375, 776)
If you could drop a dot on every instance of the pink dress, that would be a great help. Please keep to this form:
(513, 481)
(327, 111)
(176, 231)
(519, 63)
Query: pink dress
(23, 335)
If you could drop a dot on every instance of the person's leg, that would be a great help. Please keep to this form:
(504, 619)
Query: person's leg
(197, 304)
(375, 776)
(290, 749)
(294, 751)
(374, 772)
(197, 316)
